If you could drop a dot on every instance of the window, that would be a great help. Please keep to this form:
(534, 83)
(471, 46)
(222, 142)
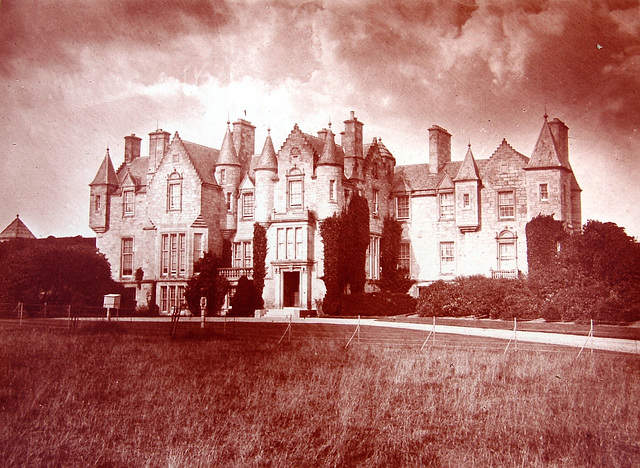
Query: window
(228, 201)
(506, 205)
(446, 206)
(171, 298)
(507, 256)
(174, 192)
(466, 200)
(404, 257)
(128, 202)
(223, 176)
(247, 205)
(402, 207)
(332, 191)
(295, 193)
(242, 255)
(376, 200)
(374, 258)
(544, 192)
(126, 260)
(447, 258)
(198, 248)
(98, 205)
(290, 243)
(173, 256)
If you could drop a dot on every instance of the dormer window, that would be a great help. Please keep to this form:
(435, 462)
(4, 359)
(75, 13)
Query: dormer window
(402, 207)
(174, 192)
(247, 205)
(128, 202)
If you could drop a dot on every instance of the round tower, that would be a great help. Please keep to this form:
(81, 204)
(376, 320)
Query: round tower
(228, 174)
(266, 171)
(329, 174)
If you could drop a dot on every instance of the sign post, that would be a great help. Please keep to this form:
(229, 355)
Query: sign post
(111, 301)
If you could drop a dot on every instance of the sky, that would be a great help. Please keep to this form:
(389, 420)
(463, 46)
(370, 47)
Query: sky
(76, 76)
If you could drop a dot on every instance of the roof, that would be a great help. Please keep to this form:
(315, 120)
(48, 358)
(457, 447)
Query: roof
(267, 159)
(330, 154)
(469, 168)
(228, 154)
(545, 153)
(106, 174)
(16, 230)
(203, 159)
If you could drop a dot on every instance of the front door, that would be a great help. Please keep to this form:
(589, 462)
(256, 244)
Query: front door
(291, 289)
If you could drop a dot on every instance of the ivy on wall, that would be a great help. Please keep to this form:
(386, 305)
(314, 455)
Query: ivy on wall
(259, 257)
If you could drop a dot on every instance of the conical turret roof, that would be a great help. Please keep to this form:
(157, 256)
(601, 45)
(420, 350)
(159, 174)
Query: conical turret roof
(16, 230)
(267, 158)
(330, 155)
(106, 175)
(545, 153)
(228, 155)
(468, 169)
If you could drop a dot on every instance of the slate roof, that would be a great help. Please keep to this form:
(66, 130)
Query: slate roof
(106, 174)
(203, 159)
(228, 154)
(545, 153)
(267, 159)
(138, 169)
(469, 168)
(330, 154)
(16, 230)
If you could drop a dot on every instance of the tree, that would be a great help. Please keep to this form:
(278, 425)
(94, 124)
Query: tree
(334, 278)
(245, 300)
(355, 240)
(543, 236)
(259, 257)
(208, 283)
(392, 278)
(41, 271)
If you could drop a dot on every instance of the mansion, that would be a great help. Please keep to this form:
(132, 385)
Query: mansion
(156, 215)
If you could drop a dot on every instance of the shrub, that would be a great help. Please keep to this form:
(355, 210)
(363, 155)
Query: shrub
(245, 300)
(378, 304)
(208, 283)
(439, 299)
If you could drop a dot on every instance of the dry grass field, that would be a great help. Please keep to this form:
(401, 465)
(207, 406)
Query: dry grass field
(104, 396)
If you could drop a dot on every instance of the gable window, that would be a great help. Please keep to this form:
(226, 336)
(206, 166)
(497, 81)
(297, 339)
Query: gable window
(126, 257)
(447, 258)
(128, 198)
(247, 205)
(98, 205)
(544, 192)
(402, 207)
(173, 256)
(376, 201)
(404, 256)
(446, 206)
(506, 205)
(174, 192)
(295, 193)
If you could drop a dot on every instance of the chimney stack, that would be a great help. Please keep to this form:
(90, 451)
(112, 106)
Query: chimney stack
(158, 146)
(131, 148)
(439, 149)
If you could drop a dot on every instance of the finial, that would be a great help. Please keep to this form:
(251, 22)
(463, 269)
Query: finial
(329, 120)
(17, 216)
(228, 118)
(268, 129)
(545, 111)
(469, 145)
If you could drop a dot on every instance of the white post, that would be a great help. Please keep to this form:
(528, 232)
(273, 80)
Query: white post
(21, 312)
(434, 330)
(203, 307)
(358, 329)
(515, 338)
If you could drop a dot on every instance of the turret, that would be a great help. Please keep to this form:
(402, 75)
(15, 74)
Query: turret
(104, 184)
(467, 194)
(266, 171)
(228, 174)
(329, 173)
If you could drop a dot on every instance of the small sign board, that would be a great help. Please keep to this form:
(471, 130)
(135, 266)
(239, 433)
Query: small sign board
(111, 301)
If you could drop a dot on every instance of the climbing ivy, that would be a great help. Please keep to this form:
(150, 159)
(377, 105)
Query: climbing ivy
(259, 256)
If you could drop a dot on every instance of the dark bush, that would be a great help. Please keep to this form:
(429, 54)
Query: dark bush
(439, 299)
(246, 300)
(381, 304)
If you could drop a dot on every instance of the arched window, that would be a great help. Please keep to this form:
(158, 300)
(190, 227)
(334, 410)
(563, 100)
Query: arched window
(507, 251)
(295, 189)
(174, 192)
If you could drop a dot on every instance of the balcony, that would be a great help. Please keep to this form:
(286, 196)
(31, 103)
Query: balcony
(233, 274)
(504, 274)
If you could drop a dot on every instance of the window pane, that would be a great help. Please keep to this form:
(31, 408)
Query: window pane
(281, 252)
(182, 255)
(506, 206)
(247, 205)
(402, 207)
(290, 243)
(128, 202)
(237, 255)
(164, 307)
(248, 255)
(404, 258)
(298, 243)
(447, 257)
(173, 254)
(174, 196)
(165, 254)
(295, 193)
(446, 206)
(127, 257)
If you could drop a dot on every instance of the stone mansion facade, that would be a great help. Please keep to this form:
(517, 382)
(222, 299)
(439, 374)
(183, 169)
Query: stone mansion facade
(156, 215)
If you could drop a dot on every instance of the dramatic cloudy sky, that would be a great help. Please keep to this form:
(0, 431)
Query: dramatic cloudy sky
(78, 75)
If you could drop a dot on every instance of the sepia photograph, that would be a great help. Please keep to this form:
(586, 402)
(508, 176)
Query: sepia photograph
(330, 233)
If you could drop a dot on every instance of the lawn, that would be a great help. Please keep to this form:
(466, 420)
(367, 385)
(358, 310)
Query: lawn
(106, 396)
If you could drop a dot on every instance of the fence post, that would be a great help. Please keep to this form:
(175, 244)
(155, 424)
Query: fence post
(21, 311)
(589, 336)
(45, 310)
(69, 315)
(358, 329)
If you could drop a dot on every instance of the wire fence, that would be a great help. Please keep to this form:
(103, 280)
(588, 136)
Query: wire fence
(94, 319)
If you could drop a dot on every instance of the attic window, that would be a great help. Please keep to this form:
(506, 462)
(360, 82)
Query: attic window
(128, 198)
(446, 206)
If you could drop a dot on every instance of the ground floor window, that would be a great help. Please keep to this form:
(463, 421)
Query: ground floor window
(171, 297)
(127, 257)
(374, 258)
(404, 257)
(242, 255)
(507, 253)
